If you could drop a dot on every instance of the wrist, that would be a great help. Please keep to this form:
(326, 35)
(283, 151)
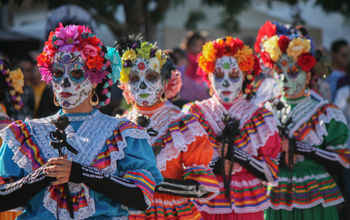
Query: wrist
(75, 173)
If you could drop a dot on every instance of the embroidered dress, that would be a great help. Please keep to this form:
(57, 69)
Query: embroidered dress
(112, 145)
(259, 138)
(308, 191)
(4, 121)
(183, 152)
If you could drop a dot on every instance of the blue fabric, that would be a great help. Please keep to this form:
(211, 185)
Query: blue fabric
(138, 156)
(333, 81)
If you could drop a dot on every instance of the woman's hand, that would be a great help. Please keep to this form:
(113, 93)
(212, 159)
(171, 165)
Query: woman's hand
(60, 168)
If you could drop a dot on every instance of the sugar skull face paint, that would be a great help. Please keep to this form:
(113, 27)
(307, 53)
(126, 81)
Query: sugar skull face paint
(70, 84)
(289, 76)
(227, 79)
(145, 82)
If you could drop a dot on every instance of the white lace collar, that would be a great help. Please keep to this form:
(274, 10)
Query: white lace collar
(214, 111)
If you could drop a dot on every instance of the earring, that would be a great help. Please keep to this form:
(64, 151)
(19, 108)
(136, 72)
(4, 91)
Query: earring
(55, 101)
(163, 98)
(92, 102)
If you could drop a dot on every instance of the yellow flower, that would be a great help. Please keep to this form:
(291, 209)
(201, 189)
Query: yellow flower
(272, 48)
(16, 77)
(298, 46)
(124, 75)
(129, 55)
(245, 58)
(209, 51)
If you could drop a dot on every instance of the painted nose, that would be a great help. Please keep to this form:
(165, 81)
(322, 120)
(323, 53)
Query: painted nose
(226, 84)
(143, 85)
(285, 80)
(66, 82)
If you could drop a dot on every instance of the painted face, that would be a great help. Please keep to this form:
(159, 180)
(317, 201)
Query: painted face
(289, 76)
(227, 78)
(145, 82)
(70, 84)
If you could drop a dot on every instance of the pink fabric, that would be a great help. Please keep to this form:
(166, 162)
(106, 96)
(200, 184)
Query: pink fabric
(234, 216)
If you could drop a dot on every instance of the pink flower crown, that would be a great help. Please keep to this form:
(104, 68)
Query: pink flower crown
(75, 38)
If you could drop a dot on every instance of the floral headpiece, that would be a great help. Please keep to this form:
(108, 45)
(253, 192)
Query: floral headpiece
(273, 40)
(144, 50)
(234, 47)
(133, 47)
(14, 81)
(100, 62)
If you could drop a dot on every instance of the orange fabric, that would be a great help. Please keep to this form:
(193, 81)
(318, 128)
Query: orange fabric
(9, 215)
(198, 153)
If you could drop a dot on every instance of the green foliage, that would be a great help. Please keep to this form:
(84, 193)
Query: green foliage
(193, 19)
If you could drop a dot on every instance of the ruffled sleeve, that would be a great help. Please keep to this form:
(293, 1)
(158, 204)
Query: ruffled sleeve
(338, 134)
(193, 109)
(196, 160)
(261, 139)
(139, 164)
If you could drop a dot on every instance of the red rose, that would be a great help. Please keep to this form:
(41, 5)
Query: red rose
(306, 61)
(265, 31)
(283, 42)
(265, 57)
(141, 66)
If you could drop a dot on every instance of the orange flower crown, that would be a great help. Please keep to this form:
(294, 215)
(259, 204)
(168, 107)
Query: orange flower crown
(236, 48)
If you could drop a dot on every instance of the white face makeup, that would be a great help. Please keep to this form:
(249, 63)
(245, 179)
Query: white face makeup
(227, 79)
(289, 76)
(70, 84)
(145, 82)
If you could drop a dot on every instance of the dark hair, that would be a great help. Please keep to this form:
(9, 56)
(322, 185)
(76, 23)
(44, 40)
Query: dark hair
(99, 88)
(127, 42)
(338, 44)
(172, 55)
(192, 38)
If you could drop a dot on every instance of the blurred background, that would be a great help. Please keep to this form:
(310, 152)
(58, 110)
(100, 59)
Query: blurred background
(179, 25)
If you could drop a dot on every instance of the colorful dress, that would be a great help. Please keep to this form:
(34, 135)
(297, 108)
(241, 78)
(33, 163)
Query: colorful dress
(307, 190)
(183, 152)
(4, 121)
(259, 138)
(116, 147)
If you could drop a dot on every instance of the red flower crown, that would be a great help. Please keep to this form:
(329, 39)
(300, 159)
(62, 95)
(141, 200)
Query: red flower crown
(234, 47)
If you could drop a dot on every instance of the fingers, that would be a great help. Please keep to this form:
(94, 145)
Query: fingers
(59, 168)
(59, 181)
(59, 160)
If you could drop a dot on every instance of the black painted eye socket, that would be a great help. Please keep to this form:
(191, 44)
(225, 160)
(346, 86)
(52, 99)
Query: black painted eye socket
(134, 78)
(57, 73)
(234, 74)
(152, 76)
(218, 74)
(77, 74)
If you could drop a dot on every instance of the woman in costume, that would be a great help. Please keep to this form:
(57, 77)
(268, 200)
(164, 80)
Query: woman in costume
(180, 144)
(245, 137)
(78, 163)
(11, 84)
(313, 132)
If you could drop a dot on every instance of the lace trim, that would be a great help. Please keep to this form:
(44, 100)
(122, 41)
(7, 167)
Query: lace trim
(303, 112)
(80, 140)
(180, 140)
(213, 112)
(179, 144)
(18, 157)
(307, 206)
(82, 213)
(316, 137)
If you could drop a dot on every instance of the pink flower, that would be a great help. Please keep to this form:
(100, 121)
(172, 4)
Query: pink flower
(67, 38)
(88, 50)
